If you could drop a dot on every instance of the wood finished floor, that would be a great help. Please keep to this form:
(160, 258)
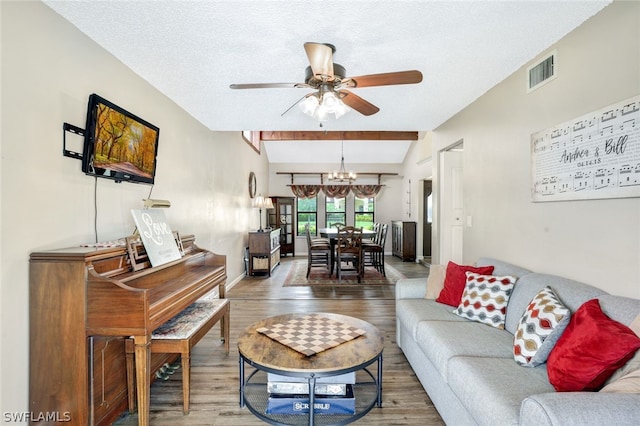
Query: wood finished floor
(214, 375)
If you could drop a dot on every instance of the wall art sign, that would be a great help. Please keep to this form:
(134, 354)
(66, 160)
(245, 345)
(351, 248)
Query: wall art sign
(590, 157)
(158, 239)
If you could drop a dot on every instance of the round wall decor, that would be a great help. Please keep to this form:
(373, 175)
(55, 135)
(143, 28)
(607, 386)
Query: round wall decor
(252, 184)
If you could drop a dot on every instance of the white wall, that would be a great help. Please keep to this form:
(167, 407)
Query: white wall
(417, 168)
(49, 69)
(595, 241)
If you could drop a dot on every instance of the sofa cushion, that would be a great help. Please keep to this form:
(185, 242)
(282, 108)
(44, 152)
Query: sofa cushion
(492, 389)
(485, 298)
(503, 268)
(572, 293)
(625, 310)
(409, 313)
(590, 350)
(455, 280)
(540, 328)
(442, 341)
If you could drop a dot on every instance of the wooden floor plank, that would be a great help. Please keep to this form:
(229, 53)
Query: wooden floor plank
(214, 375)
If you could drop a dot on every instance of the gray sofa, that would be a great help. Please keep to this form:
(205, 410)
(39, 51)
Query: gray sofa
(467, 368)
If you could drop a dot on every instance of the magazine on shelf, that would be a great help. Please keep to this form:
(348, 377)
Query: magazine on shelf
(339, 389)
(347, 378)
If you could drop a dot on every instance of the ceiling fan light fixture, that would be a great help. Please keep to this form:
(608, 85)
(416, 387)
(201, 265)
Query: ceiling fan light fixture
(320, 105)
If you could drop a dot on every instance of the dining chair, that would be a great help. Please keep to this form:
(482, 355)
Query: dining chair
(349, 251)
(373, 250)
(319, 251)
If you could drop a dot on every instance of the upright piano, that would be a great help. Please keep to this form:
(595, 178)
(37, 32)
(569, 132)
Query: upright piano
(84, 302)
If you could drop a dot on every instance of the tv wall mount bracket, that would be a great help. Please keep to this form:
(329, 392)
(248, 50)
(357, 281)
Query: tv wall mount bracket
(66, 127)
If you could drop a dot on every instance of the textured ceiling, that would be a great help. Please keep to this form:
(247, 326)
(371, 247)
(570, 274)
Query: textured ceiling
(192, 50)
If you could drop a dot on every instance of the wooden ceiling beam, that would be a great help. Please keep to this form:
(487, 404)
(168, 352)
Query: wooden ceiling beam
(335, 135)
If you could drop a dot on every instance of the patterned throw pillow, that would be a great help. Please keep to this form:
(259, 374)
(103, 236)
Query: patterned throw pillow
(540, 328)
(485, 298)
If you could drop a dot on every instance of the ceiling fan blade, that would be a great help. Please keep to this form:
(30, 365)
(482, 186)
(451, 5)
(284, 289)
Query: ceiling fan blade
(269, 86)
(385, 79)
(357, 103)
(320, 58)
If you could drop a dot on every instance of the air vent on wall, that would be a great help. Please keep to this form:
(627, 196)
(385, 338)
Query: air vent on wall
(542, 72)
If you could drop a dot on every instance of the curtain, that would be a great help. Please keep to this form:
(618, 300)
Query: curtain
(305, 191)
(365, 191)
(336, 191)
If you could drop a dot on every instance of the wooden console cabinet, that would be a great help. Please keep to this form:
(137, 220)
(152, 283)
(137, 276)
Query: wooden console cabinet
(264, 251)
(84, 302)
(403, 240)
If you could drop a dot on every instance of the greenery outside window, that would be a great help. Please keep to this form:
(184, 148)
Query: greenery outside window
(307, 212)
(364, 213)
(336, 211)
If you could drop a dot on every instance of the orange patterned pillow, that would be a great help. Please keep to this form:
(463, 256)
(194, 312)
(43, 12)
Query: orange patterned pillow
(485, 298)
(540, 328)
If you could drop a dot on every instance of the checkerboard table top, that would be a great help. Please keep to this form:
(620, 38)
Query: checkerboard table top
(365, 345)
(311, 334)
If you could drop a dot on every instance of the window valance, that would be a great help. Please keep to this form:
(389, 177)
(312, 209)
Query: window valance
(335, 191)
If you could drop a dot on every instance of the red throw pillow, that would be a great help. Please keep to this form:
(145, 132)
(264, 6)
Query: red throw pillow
(591, 349)
(455, 281)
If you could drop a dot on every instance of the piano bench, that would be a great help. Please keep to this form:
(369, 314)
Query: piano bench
(179, 335)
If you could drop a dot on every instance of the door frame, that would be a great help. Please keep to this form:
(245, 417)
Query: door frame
(439, 235)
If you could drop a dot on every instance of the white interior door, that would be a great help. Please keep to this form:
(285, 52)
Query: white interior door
(451, 207)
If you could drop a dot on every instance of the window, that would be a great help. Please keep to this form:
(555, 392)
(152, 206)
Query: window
(364, 213)
(336, 211)
(307, 213)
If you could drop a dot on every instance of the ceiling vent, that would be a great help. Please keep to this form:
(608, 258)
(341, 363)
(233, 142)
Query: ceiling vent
(542, 72)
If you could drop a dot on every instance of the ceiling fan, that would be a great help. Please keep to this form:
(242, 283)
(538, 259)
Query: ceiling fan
(331, 82)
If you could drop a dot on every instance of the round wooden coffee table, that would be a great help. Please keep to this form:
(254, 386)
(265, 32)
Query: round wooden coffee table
(267, 355)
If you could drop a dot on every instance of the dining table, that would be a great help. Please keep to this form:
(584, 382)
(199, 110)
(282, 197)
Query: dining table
(332, 234)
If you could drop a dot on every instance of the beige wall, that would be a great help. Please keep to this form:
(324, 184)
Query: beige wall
(48, 71)
(595, 241)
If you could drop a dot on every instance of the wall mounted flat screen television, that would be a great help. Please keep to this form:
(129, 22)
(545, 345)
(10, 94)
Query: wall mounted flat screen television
(118, 145)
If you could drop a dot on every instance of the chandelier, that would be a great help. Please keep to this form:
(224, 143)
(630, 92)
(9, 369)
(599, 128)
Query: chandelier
(321, 104)
(342, 175)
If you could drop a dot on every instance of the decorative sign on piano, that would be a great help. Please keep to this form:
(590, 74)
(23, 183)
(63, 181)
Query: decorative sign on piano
(157, 237)
(593, 156)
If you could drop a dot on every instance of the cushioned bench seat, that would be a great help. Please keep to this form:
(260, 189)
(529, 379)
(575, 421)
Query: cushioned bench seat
(180, 334)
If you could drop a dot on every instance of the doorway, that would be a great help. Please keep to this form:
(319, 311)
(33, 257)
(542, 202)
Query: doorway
(427, 221)
(450, 204)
